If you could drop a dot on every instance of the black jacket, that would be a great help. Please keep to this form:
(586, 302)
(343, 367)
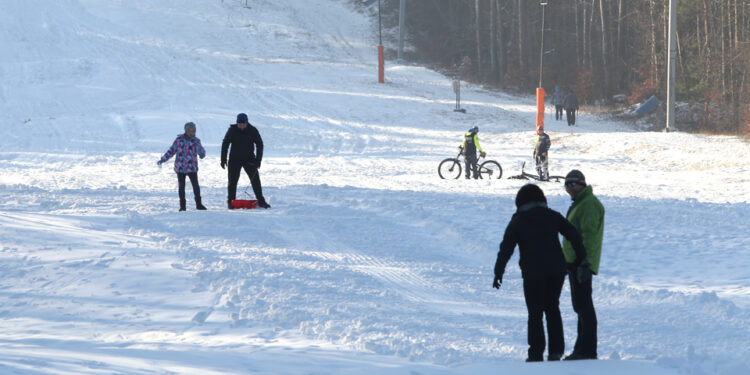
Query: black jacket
(534, 228)
(571, 101)
(242, 142)
(542, 144)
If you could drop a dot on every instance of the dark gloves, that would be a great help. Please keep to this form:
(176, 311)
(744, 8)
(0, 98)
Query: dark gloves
(257, 163)
(223, 164)
(583, 272)
(497, 282)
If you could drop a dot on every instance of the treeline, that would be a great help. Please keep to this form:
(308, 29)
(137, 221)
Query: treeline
(599, 48)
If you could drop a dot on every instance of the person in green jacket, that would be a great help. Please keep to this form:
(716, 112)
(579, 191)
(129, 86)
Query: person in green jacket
(469, 147)
(587, 215)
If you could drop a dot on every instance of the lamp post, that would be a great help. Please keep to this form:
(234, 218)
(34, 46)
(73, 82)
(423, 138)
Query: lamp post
(540, 89)
(541, 48)
(381, 54)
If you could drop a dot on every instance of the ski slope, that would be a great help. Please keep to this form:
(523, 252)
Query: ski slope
(367, 263)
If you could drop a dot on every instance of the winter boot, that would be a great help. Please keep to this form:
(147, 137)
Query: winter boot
(229, 204)
(198, 204)
(262, 203)
(183, 205)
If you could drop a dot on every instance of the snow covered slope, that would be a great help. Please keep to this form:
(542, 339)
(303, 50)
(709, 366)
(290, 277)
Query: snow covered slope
(367, 262)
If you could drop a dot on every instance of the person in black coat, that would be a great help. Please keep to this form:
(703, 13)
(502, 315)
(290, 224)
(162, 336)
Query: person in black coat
(534, 228)
(571, 107)
(246, 153)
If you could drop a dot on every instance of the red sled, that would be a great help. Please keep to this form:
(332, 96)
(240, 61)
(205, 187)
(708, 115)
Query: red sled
(244, 203)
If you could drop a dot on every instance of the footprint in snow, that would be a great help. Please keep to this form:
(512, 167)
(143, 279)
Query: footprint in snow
(201, 317)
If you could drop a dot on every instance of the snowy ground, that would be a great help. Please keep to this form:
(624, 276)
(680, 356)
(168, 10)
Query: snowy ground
(367, 262)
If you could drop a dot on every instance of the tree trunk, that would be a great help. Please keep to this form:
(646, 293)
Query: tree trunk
(579, 53)
(654, 60)
(723, 54)
(706, 48)
(500, 45)
(478, 41)
(618, 44)
(591, 36)
(585, 38)
(605, 66)
(493, 63)
(519, 9)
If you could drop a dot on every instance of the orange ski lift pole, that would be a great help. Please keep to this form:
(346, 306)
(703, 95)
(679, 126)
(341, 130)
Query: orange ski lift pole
(540, 108)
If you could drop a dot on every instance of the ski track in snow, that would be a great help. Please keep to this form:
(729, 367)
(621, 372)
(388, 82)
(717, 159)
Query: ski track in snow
(367, 262)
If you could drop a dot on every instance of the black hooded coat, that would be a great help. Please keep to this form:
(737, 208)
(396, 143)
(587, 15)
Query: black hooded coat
(247, 145)
(534, 228)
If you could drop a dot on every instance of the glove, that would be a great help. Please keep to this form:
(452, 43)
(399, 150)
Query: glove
(159, 163)
(223, 164)
(257, 163)
(482, 154)
(583, 272)
(497, 282)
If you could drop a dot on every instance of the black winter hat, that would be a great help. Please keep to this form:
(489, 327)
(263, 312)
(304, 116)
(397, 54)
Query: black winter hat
(242, 118)
(529, 193)
(575, 176)
(189, 125)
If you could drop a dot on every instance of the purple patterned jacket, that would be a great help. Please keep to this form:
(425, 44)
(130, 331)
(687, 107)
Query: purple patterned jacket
(187, 150)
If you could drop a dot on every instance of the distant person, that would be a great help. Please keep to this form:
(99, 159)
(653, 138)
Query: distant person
(587, 215)
(246, 153)
(187, 148)
(470, 147)
(571, 107)
(558, 97)
(534, 228)
(541, 147)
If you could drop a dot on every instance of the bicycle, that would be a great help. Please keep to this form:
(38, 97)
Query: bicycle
(451, 168)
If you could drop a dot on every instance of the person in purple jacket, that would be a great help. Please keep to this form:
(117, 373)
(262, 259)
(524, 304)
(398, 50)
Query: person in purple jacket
(187, 147)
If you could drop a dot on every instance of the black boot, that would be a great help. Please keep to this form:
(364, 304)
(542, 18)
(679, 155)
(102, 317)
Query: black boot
(229, 204)
(183, 205)
(198, 204)
(263, 204)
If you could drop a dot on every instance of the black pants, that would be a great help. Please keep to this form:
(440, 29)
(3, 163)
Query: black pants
(570, 114)
(543, 298)
(193, 181)
(558, 112)
(471, 166)
(583, 305)
(234, 170)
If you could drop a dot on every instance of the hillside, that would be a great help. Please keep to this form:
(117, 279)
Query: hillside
(367, 262)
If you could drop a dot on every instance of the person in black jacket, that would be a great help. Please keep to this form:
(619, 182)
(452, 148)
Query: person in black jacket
(541, 148)
(242, 137)
(534, 228)
(571, 107)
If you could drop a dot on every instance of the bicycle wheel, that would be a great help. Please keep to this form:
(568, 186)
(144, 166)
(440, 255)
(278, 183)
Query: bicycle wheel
(449, 169)
(490, 169)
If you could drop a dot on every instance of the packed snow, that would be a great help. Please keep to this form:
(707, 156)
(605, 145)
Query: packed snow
(367, 262)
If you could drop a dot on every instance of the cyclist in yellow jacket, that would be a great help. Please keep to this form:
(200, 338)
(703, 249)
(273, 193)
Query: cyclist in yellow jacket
(470, 147)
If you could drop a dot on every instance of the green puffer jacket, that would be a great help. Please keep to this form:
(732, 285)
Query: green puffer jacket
(587, 215)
